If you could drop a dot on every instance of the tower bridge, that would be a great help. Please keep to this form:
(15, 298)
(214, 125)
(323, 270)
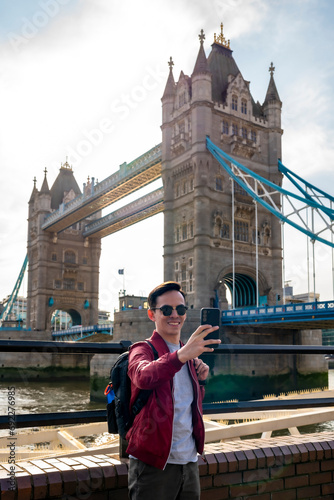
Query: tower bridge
(222, 196)
(220, 163)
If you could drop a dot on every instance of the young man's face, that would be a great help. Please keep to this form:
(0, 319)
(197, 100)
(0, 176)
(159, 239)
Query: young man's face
(169, 327)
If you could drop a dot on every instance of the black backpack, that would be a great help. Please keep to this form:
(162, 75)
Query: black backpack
(118, 393)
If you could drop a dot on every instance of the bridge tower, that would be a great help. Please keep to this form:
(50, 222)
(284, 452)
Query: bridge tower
(215, 101)
(63, 272)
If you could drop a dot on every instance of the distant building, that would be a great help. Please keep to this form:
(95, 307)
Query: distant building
(301, 297)
(132, 302)
(104, 317)
(18, 312)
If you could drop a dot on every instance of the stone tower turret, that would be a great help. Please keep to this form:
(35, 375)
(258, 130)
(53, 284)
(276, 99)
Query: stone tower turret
(63, 272)
(216, 102)
(272, 109)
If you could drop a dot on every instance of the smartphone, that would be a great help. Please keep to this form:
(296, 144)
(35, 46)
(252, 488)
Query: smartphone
(211, 316)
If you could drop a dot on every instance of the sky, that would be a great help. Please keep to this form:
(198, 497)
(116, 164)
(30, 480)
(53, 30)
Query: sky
(83, 79)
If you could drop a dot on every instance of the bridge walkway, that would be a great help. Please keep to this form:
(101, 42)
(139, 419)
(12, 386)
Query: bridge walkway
(129, 178)
(303, 316)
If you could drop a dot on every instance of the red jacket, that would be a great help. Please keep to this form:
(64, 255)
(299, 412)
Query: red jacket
(150, 437)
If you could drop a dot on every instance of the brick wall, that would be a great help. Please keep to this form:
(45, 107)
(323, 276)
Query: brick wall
(282, 468)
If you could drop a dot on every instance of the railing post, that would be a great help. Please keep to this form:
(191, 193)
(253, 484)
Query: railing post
(123, 444)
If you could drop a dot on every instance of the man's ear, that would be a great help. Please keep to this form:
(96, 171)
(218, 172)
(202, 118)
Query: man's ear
(150, 314)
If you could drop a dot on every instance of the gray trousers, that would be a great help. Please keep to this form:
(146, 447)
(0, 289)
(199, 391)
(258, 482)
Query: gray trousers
(175, 482)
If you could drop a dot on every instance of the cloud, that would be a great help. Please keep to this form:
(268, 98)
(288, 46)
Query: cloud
(240, 17)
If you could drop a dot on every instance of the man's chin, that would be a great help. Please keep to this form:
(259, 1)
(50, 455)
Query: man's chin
(173, 332)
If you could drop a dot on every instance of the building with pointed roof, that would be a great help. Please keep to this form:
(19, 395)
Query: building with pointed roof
(216, 101)
(63, 271)
(64, 183)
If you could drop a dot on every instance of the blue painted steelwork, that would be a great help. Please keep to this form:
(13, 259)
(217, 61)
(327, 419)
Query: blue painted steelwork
(250, 182)
(15, 328)
(245, 288)
(317, 193)
(77, 333)
(11, 301)
(289, 313)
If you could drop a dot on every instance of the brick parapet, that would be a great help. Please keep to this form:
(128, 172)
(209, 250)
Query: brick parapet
(281, 468)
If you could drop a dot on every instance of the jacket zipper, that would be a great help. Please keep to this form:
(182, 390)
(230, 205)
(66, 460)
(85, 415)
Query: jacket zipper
(197, 405)
(171, 441)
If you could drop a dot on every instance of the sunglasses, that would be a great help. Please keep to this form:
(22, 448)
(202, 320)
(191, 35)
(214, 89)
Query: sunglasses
(167, 310)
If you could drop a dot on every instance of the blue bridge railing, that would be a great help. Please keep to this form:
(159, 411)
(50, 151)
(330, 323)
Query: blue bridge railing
(79, 332)
(312, 312)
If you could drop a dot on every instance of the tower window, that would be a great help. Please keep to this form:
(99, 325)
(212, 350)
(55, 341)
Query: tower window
(182, 99)
(241, 231)
(80, 286)
(183, 272)
(244, 132)
(253, 135)
(191, 229)
(225, 127)
(54, 257)
(239, 190)
(184, 231)
(234, 129)
(69, 284)
(69, 257)
(225, 231)
(244, 106)
(234, 103)
(219, 184)
(190, 281)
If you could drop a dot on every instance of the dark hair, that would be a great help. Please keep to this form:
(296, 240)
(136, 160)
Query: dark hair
(167, 286)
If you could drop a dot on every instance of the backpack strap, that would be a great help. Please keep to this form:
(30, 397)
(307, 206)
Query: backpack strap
(155, 352)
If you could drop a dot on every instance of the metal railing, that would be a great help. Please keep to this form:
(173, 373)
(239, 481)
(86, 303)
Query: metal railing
(62, 418)
(306, 311)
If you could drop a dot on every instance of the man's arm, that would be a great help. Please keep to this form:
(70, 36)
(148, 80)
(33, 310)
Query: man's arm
(147, 373)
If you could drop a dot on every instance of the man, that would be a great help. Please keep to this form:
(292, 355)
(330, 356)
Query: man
(169, 431)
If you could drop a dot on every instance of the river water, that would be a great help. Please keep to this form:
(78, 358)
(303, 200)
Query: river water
(47, 397)
(50, 397)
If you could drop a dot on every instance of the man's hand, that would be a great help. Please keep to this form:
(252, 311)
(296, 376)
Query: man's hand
(197, 344)
(201, 368)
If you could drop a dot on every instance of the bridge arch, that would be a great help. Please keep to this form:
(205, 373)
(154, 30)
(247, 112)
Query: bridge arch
(245, 287)
(74, 313)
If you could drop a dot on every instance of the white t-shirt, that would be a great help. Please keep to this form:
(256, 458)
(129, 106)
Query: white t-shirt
(183, 448)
